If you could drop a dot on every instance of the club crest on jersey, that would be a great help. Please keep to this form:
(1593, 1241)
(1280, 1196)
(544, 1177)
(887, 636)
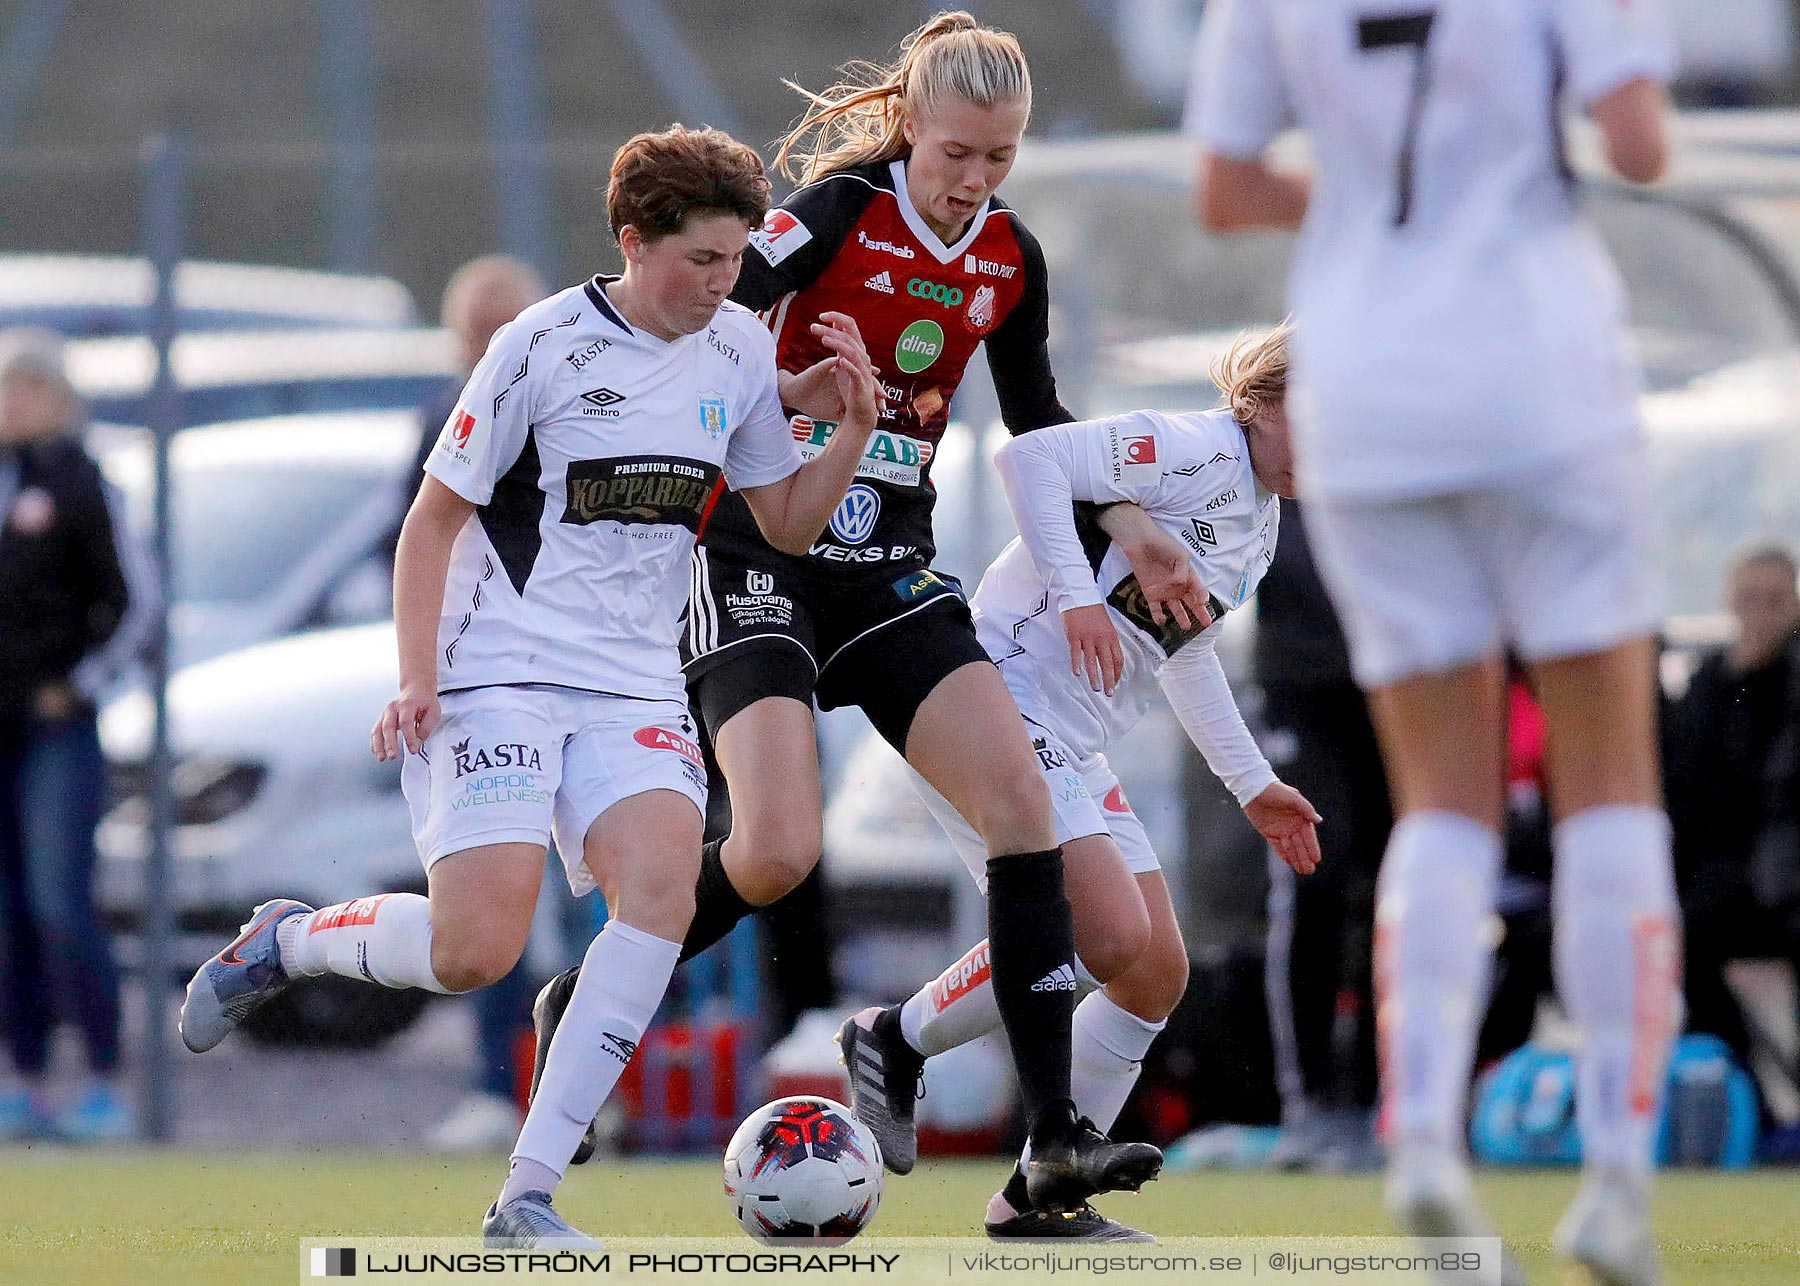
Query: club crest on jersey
(980, 316)
(780, 235)
(854, 520)
(712, 415)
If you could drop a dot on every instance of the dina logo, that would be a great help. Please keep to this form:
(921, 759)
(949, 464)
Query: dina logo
(511, 754)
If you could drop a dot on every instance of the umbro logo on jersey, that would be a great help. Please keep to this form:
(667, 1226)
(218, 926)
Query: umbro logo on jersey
(882, 282)
(620, 1047)
(1201, 533)
(602, 401)
(1061, 978)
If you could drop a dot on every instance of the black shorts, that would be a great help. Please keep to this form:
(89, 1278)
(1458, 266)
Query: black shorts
(882, 644)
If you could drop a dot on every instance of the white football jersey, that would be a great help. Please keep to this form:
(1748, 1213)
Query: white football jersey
(1457, 320)
(594, 452)
(1191, 473)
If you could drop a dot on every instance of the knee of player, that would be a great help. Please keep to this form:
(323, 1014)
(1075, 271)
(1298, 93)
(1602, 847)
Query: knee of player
(472, 962)
(783, 845)
(1110, 946)
(1014, 807)
(1162, 979)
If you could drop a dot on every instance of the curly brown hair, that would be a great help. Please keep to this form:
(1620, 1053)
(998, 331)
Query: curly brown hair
(661, 177)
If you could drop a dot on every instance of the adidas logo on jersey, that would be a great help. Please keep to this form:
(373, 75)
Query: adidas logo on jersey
(882, 282)
(1061, 978)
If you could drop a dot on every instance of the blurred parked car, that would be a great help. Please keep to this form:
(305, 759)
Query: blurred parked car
(87, 296)
(239, 375)
(276, 794)
(279, 525)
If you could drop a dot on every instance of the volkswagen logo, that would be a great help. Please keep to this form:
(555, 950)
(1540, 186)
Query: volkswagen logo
(854, 521)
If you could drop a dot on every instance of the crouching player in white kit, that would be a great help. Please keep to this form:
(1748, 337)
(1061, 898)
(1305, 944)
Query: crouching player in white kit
(1084, 654)
(538, 589)
(1476, 479)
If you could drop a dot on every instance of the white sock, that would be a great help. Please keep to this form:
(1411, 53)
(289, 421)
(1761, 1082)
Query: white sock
(1433, 954)
(1107, 1048)
(385, 938)
(623, 978)
(958, 1005)
(1618, 970)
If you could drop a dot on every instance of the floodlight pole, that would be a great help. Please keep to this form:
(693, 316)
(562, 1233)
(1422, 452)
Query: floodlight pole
(165, 236)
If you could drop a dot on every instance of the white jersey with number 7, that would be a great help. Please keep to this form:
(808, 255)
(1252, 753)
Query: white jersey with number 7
(1457, 321)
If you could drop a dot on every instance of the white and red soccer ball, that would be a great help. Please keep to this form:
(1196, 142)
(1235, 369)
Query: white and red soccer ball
(803, 1169)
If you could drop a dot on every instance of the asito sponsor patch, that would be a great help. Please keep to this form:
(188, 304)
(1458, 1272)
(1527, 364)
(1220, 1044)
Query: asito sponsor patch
(663, 739)
(640, 489)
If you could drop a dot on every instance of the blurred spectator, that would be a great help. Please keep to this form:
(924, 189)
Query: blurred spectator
(482, 296)
(76, 605)
(1732, 763)
(1321, 929)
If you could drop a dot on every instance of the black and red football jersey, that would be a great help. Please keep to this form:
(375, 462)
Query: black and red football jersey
(852, 242)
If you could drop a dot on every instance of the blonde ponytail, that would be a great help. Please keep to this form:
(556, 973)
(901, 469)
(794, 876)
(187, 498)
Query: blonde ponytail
(862, 117)
(1253, 373)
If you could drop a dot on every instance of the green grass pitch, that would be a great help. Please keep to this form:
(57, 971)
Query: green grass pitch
(147, 1216)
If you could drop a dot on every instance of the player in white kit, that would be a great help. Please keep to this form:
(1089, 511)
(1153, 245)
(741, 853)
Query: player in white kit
(538, 589)
(1469, 445)
(1085, 655)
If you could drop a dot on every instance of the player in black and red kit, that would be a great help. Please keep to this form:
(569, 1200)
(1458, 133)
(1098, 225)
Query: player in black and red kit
(896, 225)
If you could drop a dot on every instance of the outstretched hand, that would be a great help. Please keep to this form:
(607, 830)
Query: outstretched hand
(1284, 817)
(1094, 648)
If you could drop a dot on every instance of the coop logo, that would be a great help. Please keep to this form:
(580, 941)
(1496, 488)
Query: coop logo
(961, 978)
(887, 247)
(988, 268)
(510, 754)
(854, 520)
(948, 296)
(919, 346)
(663, 739)
(602, 401)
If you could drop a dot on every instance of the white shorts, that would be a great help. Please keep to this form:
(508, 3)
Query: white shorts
(530, 764)
(1085, 796)
(1554, 564)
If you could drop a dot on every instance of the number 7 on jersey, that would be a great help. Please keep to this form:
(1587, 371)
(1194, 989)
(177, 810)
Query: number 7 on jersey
(1385, 32)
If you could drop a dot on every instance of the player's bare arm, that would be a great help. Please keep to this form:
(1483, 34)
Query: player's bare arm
(421, 565)
(1237, 194)
(793, 511)
(1634, 129)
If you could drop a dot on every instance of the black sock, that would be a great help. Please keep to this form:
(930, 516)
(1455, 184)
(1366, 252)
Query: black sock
(1032, 939)
(1015, 1193)
(718, 906)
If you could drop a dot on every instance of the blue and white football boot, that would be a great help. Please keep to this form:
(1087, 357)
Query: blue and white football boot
(527, 1222)
(240, 979)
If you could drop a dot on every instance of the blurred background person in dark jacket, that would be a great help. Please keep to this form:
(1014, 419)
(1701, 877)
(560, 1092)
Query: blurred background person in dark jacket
(1732, 763)
(76, 608)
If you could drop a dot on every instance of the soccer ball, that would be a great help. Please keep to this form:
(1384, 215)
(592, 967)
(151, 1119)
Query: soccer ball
(803, 1169)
